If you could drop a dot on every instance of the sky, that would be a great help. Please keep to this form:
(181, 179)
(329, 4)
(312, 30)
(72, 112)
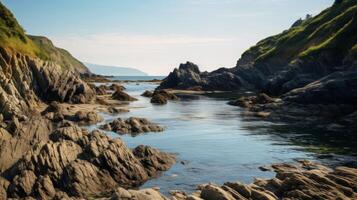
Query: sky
(155, 36)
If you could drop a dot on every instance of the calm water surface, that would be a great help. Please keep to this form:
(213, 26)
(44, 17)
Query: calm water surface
(210, 139)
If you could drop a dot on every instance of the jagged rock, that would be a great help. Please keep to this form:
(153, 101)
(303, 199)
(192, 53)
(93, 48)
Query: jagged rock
(23, 135)
(44, 188)
(189, 77)
(83, 165)
(132, 126)
(22, 184)
(26, 81)
(83, 179)
(153, 160)
(147, 93)
(122, 96)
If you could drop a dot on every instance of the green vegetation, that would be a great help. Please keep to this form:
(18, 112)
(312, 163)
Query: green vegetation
(12, 35)
(58, 55)
(14, 38)
(333, 31)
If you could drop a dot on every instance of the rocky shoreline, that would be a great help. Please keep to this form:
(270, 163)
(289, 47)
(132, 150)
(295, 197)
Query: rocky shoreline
(46, 95)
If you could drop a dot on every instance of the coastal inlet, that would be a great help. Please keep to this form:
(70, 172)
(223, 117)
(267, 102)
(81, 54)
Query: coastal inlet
(212, 140)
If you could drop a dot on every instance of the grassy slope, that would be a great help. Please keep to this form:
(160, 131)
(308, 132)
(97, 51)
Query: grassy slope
(333, 30)
(14, 38)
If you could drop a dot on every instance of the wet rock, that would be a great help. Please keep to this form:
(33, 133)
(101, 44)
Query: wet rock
(131, 126)
(162, 96)
(122, 96)
(147, 93)
(247, 102)
(158, 99)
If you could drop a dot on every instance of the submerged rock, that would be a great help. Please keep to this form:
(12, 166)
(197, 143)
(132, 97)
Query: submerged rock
(132, 126)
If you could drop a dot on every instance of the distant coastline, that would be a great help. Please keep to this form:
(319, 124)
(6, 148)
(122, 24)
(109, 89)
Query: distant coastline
(106, 70)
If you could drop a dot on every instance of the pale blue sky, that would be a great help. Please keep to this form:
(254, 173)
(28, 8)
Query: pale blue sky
(156, 35)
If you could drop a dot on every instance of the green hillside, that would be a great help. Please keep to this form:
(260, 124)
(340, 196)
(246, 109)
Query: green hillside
(332, 32)
(14, 38)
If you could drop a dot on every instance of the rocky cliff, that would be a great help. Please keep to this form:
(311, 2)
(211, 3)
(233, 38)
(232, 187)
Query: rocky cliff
(34, 71)
(310, 50)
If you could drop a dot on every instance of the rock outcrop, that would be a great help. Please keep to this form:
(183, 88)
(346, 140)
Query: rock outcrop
(292, 59)
(162, 96)
(132, 125)
(122, 96)
(189, 77)
(81, 164)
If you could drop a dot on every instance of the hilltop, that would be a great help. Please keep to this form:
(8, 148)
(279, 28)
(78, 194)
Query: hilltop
(14, 39)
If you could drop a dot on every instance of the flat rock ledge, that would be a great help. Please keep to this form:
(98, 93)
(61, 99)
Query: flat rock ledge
(59, 113)
(75, 164)
(132, 125)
